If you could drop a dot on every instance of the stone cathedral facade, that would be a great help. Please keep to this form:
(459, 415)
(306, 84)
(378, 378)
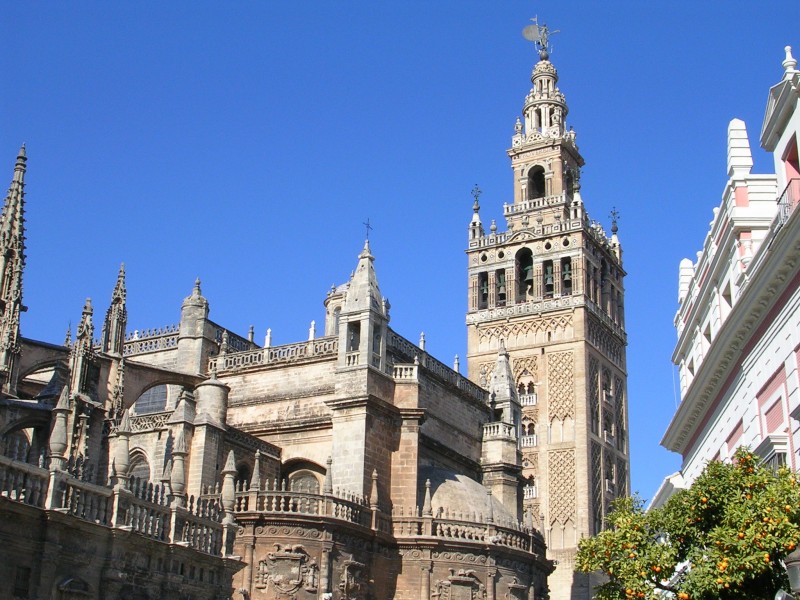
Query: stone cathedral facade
(549, 291)
(192, 462)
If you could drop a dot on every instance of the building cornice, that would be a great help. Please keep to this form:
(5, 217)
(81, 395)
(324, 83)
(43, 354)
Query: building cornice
(767, 287)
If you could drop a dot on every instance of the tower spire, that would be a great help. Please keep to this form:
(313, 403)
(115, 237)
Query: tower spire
(12, 263)
(113, 336)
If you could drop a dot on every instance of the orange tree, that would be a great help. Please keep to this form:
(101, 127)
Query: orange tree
(724, 537)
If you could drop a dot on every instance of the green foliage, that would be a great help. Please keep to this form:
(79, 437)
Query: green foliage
(724, 537)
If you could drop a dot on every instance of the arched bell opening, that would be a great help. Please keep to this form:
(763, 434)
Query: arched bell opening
(536, 187)
(523, 266)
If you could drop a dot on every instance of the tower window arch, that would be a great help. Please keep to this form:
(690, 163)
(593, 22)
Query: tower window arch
(139, 466)
(536, 187)
(523, 264)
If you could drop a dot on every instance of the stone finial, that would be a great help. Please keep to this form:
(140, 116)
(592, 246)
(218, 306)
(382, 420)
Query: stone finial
(422, 341)
(789, 64)
(124, 426)
(180, 444)
(456, 364)
(312, 331)
(228, 495)
(166, 474)
(255, 480)
(251, 334)
(68, 336)
(740, 159)
(268, 338)
(373, 496)
(427, 507)
(58, 436)
(490, 515)
(327, 487)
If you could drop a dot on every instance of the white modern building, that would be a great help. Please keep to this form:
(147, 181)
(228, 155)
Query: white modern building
(738, 323)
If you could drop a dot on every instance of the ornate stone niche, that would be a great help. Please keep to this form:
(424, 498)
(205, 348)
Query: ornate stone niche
(461, 585)
(287, 570)
(516, 591)
(354, 583)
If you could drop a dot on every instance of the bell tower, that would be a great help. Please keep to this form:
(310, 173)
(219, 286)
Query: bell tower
(550, 290)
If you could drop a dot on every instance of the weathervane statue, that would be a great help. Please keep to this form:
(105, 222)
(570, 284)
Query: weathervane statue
(539, 35)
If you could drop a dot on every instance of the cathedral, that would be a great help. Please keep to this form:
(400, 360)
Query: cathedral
(193, 462)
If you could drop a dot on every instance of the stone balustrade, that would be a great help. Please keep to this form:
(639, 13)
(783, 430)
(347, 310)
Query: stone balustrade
(405, 372)
(272, 499)
(289, 353)
(133, 506)
(528, 399)
(527, 441)
(498, 429)
(399, 345)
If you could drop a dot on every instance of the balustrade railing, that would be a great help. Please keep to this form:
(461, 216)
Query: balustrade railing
(232, 361)
(136, 506)
(428, 364)
(150, 340)
(470, 527)
(527, 399)
(498, 429)
(788, 200)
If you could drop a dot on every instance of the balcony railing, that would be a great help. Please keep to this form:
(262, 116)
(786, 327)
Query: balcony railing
(133, 506)
(788, 200)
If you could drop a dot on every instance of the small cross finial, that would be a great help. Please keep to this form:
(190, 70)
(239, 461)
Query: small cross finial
(614, 217)
(368, 226)
(476, 192)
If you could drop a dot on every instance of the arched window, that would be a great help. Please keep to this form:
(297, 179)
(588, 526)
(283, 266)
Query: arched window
(151, 401)
(547, 278)
(524, 274)
(536, 183)
(242, 474)
(569, 183)
(139, 466)
(337, 312)
(304, 481)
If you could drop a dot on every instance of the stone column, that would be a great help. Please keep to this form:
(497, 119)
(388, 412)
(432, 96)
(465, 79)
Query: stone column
(425, 587)
(247, 572)
(490, 576)
(325, 572)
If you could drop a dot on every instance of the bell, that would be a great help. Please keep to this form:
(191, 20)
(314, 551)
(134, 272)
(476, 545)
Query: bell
(501, 289)
(567, 269)
(528, 277)
(484, 288)
(548, 276)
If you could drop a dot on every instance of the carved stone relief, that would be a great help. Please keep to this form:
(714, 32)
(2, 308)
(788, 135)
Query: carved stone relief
(353, 581)
(561, 385)
(461, 585)
(287, 570)
(561, 469)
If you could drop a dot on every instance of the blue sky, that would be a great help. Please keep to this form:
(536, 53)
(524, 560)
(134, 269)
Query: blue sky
(246, 143)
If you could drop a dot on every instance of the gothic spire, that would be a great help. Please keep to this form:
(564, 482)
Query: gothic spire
(12, 263)
(113, 336)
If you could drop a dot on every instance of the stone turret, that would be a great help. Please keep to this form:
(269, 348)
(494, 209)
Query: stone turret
(364, 318)
(192, 353)
(12, 264)
(500, 456)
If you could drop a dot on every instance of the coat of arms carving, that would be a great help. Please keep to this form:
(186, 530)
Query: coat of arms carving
(461, 585)
(285, 571)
